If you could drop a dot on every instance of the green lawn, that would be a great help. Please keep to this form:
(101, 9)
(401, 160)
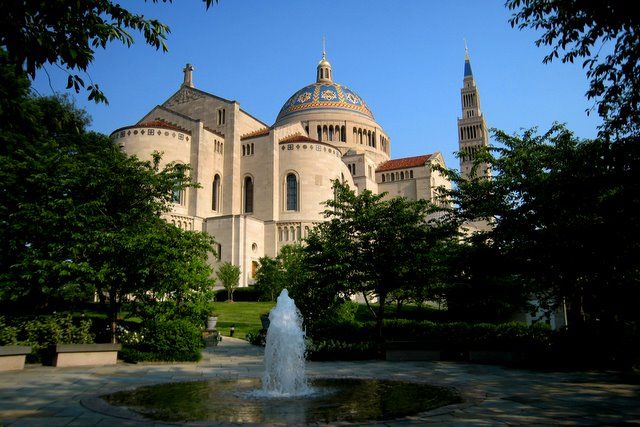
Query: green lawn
(245, 316)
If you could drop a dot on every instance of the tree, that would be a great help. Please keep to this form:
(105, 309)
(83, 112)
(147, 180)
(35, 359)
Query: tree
(66, 33)
(269, 278)
(369, 245)
(80, 217)
(287, 270)
(606, 34)
(566, 220)
(229, 275)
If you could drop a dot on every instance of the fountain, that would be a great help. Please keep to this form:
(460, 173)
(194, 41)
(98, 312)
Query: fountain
(284, 373)
(283, 396)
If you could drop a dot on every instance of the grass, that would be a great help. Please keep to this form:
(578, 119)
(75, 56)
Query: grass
(245, 316)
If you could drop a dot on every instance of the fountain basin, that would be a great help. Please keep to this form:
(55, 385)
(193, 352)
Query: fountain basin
(347, 400)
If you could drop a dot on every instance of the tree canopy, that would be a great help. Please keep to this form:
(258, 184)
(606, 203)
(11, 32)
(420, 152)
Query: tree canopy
(67, 33)
(605, 34)
(565, 219)
(80, 217)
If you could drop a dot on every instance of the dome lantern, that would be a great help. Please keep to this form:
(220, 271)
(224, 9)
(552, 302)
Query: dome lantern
(324, 67)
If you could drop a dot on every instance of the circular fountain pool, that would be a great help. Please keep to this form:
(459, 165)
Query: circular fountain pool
(234, 401)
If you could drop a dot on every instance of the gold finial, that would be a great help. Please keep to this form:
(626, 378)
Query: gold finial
(466, 49)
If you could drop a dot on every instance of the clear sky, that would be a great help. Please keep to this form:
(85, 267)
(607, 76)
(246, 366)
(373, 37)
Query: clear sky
(404, 58)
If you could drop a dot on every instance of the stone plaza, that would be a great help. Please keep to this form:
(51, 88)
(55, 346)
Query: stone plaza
(493, 395)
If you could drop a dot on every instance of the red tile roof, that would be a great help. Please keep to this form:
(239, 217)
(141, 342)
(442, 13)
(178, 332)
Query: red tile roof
(214, 131)
(407, 162)
(297, 137)
(255, 134)
(160, 124)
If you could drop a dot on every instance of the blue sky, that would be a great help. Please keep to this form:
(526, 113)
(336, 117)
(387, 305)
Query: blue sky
(405, 58)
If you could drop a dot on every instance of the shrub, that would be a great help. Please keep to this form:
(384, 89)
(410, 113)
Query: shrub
(8, 334)
(257, 338)
(172, 340)
(195, 311)
(340, 350)
(43, 332)
(248, 294)
(511, 336)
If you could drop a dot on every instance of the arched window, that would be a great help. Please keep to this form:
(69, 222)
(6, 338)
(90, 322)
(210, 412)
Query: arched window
(177, 196)
(215, 193)
(244, 152)
(248, 195)
(331, 133)
(401, 175)
(410, 174)
(292, 192)
(343, 134)
(383, 178)
(286, 234)
(319, 133)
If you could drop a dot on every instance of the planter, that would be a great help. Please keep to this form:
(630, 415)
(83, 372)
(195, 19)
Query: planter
(12, 357)
(212, 321)
(86, 354)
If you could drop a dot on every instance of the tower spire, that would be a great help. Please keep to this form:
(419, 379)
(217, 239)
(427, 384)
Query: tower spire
(467, 61)
(472, 128)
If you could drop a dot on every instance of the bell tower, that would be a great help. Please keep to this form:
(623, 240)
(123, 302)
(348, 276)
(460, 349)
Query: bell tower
(472, 128)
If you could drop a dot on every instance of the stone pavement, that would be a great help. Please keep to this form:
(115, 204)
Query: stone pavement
(47, 396)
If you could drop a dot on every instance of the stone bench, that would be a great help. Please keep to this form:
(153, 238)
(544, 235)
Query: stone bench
(86, 354)
(12, 357)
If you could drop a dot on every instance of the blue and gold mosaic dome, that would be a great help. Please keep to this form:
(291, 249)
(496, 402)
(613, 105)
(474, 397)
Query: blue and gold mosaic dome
(324, 96)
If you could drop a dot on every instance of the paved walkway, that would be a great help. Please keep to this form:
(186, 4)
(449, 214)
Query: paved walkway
(47, 396)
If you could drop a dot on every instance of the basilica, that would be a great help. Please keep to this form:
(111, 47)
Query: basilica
(262, 185)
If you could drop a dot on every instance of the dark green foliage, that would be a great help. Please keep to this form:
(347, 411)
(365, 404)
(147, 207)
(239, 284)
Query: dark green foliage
(287, 270)
(605, 35)
(341, 350)
(172, 340)
(79, 217)
(67, 33)
(248, 294)
(8, 333)
(370, 246)
(257, 338)
(43, 332)
(566, 222)
(511, 336)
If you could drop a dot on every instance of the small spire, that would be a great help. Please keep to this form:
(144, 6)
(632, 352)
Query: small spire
(466, 50)
(324, 47)
(188, 75)
(467, 60)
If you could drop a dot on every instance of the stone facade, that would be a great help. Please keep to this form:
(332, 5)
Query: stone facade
(262, 186)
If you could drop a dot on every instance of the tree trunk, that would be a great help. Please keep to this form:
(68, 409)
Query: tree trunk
(382, 297)
(113, 314)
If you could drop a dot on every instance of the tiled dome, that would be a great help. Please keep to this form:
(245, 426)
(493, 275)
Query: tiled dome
(324, 96)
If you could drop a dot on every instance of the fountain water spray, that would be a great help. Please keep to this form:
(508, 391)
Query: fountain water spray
(284, 373)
